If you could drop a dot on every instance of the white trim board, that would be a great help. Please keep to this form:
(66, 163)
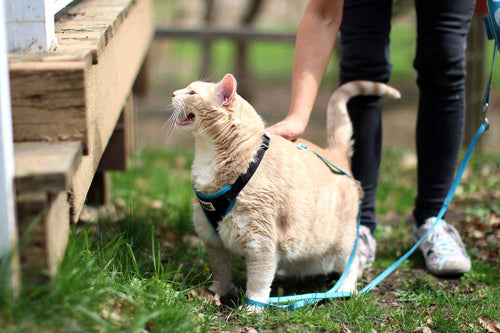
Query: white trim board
(8, 228)
(60, 4)
(30, 24)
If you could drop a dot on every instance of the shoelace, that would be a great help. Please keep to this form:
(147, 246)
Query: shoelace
(443, 239)
(364, 246)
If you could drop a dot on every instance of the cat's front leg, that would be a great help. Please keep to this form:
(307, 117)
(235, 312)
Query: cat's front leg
(261, 269)
(220, 264)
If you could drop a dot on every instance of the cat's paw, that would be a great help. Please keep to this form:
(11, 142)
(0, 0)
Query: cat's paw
(349, 286)
(249, 308)
(225, 291)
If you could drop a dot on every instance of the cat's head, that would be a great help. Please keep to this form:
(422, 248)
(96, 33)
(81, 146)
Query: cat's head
(212, 108)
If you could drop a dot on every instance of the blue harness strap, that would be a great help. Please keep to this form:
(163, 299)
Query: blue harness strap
(217, 205)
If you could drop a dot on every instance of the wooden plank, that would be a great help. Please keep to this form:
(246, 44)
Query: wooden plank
(109, 84)
(82, 55)
(90, 25)
(87, 25)
(120, 145)
(50, 89)
(46, 166)
(8, 227)
(116, 155)
(57, 226)
(49, 100)
(44, 223)
(80, 36)
(31, 208)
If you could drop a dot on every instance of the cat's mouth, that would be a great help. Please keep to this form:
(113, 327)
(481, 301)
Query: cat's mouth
(189, 120)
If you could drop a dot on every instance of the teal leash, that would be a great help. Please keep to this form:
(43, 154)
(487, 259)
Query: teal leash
(327, 162)
(463, 165)
(304, 299)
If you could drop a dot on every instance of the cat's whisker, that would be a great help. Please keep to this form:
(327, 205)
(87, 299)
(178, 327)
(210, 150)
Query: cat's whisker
(169, 122)
(169, 126)
(205, 77)
(172, 117)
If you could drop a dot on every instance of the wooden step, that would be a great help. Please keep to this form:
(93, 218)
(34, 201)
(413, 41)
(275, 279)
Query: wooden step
(43, 176)
(46, 167)
(78, 91)
(69, 106)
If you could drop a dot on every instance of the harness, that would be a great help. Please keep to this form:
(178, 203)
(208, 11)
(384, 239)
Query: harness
(217, 205)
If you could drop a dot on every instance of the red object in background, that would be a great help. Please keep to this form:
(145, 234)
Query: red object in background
(481, 8)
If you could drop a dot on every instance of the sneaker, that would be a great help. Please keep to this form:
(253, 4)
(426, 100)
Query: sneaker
(443, 249)
(367, 246)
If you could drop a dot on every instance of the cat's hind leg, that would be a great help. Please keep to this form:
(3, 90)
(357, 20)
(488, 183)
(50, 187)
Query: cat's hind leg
(349, 284)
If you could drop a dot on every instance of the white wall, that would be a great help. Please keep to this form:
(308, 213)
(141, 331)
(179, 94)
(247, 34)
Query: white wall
(30, 24)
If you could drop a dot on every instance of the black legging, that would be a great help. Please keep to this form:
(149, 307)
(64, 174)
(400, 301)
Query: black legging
(442, 27)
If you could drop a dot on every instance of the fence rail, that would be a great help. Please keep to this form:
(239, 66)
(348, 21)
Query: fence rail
(239, 34)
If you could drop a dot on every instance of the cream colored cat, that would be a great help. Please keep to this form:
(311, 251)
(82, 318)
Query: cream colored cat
(294, 214)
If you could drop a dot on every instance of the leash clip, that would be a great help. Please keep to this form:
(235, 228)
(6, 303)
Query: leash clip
(485, 119)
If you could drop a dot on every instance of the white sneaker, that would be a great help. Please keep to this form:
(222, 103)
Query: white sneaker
(443, 249)
(367, 246)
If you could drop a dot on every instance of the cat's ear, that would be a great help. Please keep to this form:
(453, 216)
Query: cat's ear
(225, 90)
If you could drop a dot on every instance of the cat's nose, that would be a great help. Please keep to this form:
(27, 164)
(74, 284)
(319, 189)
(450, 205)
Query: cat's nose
(173, 94)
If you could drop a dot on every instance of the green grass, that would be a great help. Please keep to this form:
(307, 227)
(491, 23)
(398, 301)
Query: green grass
(145, 271)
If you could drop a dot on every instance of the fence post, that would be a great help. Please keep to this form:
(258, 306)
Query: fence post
(206, 44)
(242, 75)
(8, 228)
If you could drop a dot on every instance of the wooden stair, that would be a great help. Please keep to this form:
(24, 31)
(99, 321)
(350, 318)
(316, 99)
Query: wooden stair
(72, 112)
(43, 175)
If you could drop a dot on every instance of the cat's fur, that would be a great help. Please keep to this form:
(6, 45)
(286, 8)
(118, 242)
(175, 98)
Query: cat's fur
(294, 214)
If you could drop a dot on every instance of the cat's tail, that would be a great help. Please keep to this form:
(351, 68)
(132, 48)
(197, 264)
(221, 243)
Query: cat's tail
(339, 127)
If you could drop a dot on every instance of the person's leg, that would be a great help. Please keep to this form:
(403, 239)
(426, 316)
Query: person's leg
(442, 28)
(365, 56)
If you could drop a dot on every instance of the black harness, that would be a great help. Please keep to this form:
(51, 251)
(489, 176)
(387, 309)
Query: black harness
(217, 205)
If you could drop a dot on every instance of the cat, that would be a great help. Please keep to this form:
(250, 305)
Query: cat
(294, 215)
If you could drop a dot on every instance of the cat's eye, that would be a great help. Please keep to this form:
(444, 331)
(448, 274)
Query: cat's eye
(192, 92)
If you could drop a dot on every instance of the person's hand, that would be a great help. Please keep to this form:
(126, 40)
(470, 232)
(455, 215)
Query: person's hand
(288, 128)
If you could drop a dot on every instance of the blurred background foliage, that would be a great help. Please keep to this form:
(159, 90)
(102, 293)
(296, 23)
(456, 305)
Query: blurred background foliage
(175, 62)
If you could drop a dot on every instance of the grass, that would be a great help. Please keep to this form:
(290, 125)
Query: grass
(143, 270)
